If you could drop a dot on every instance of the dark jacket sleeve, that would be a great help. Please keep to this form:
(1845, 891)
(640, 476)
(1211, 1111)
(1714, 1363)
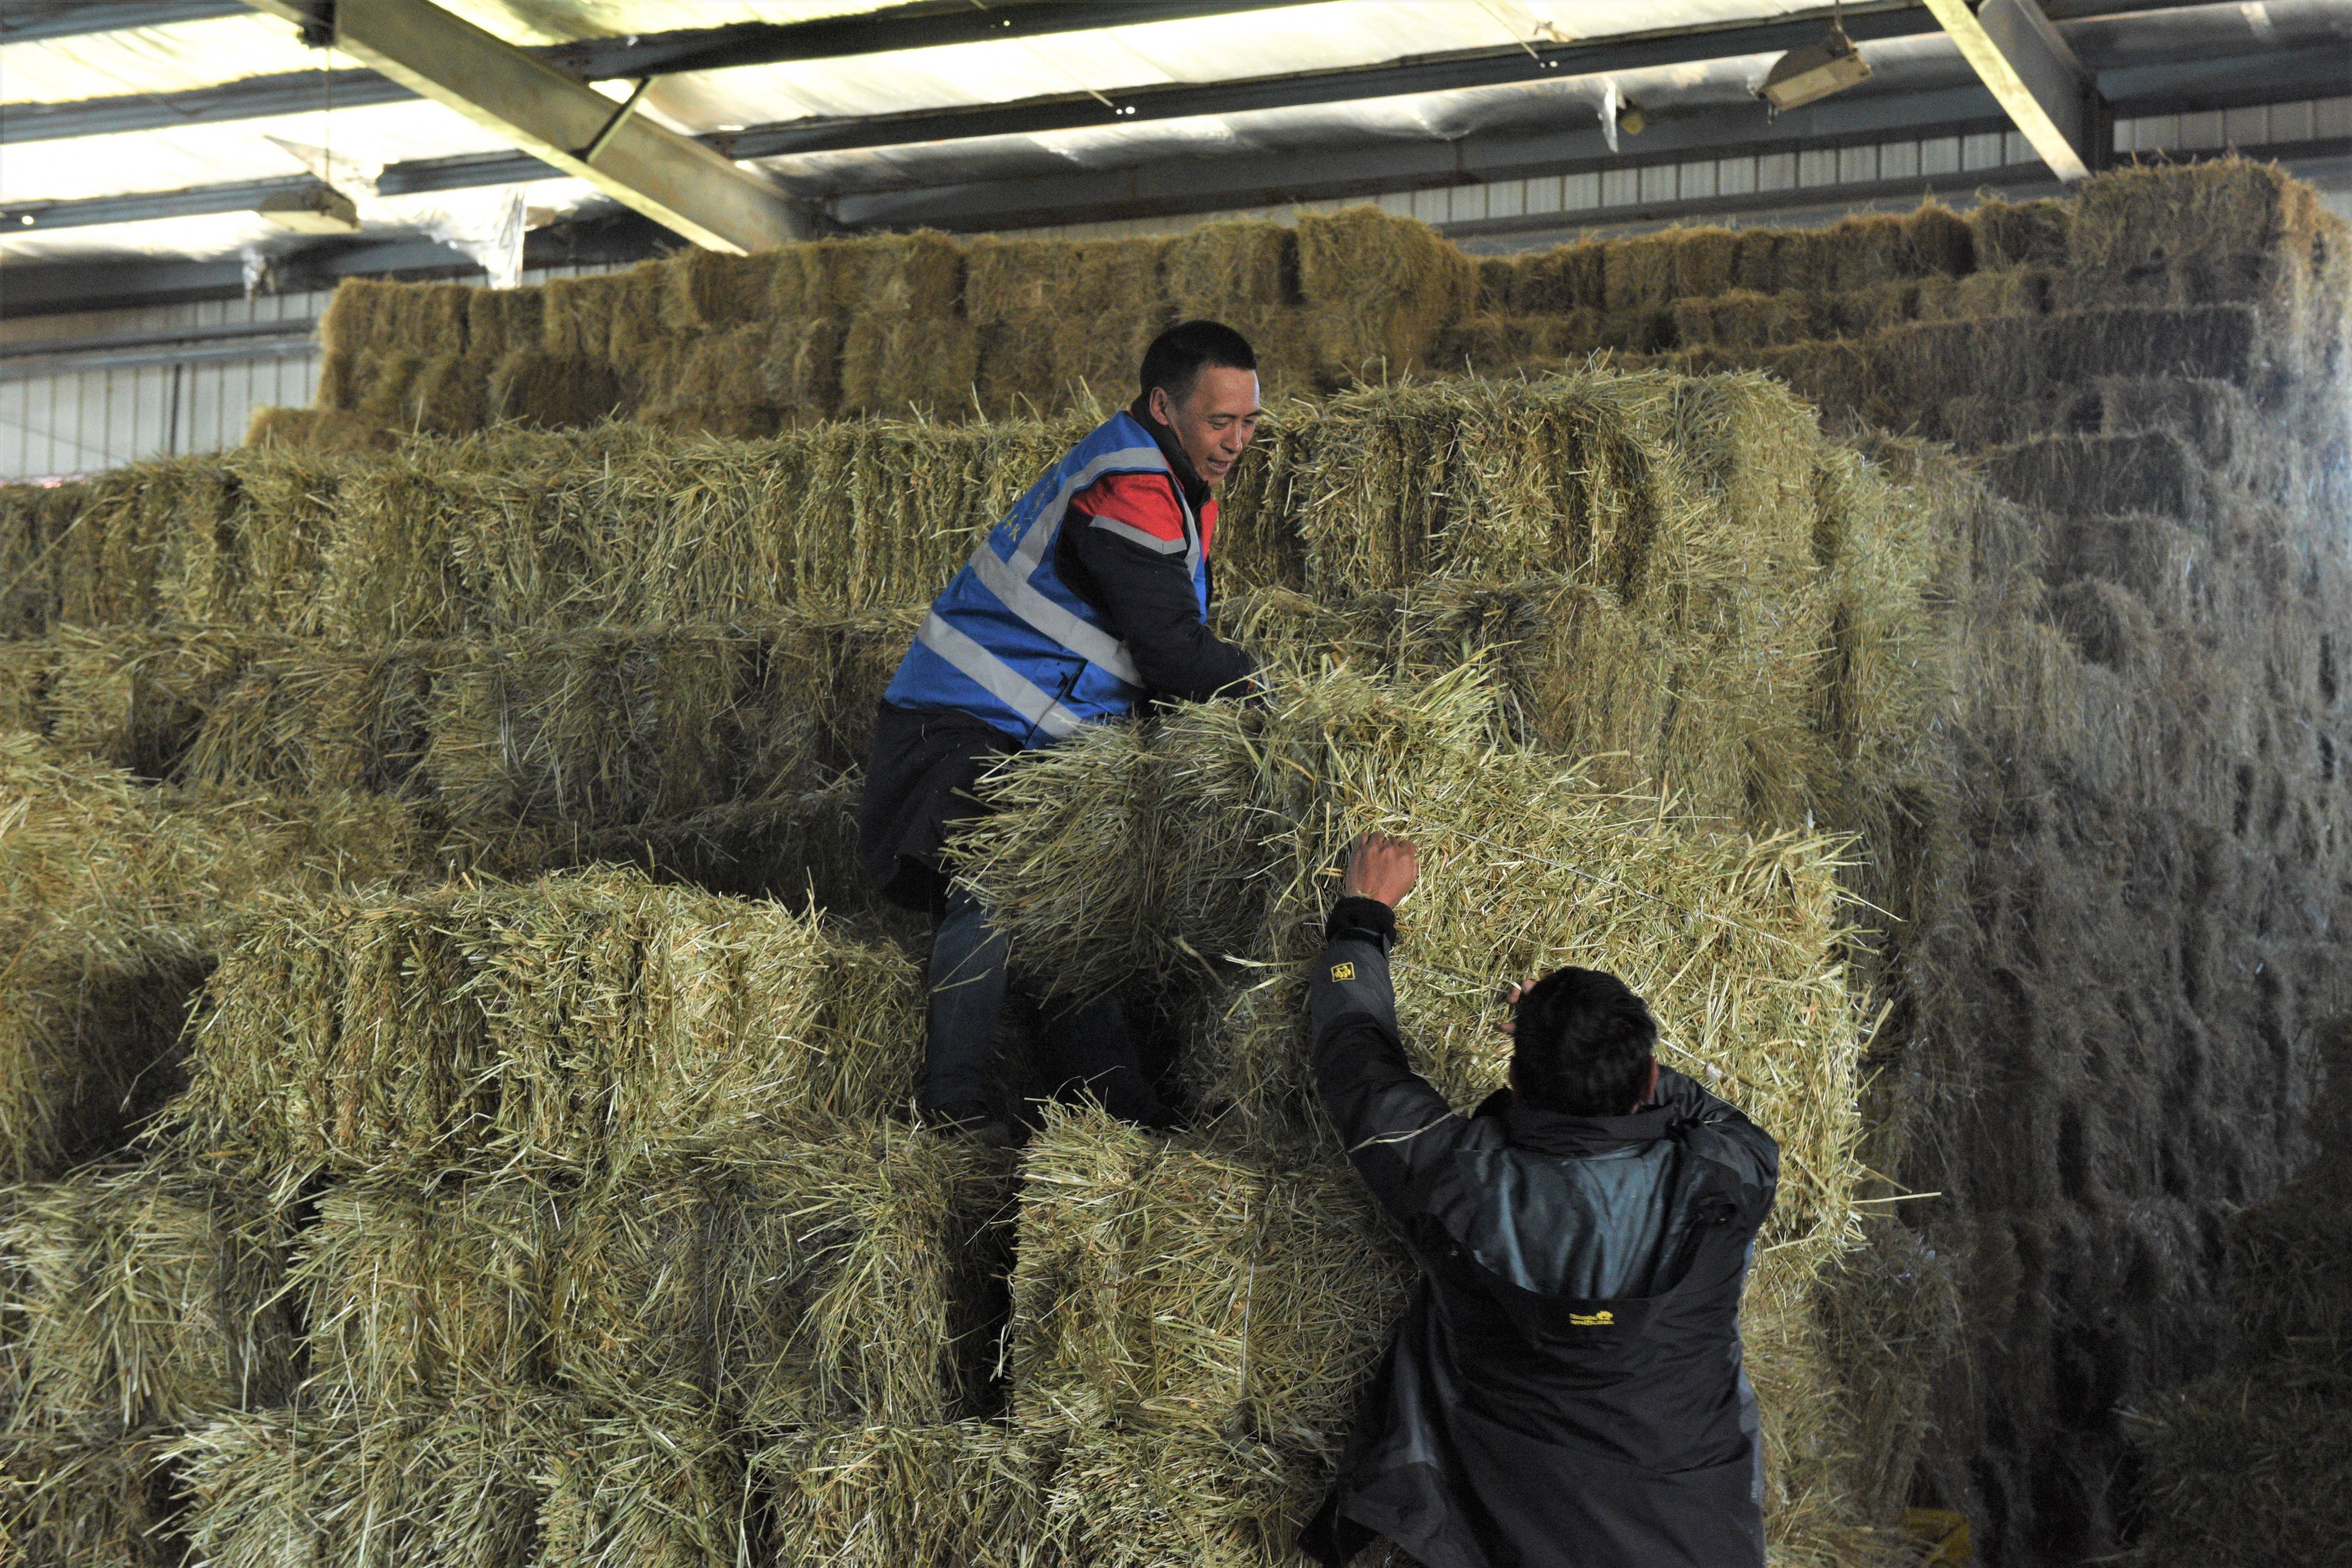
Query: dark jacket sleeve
(1147, 596)
(1397, 1130)
(1694, 1104)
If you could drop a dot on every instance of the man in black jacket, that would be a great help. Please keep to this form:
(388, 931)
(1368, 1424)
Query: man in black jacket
(1088, 599)
(1565, 1388)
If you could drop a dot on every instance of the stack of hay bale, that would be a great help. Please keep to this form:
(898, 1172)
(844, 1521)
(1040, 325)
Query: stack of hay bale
(468, 1122)
(892, 326)
(2150, 810)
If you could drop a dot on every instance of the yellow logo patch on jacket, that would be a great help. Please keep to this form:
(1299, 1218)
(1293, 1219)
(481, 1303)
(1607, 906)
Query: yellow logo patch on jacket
(1602, 1320)
(1343, 971)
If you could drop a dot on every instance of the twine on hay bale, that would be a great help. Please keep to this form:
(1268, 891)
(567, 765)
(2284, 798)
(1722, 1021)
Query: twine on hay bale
(590, 1022)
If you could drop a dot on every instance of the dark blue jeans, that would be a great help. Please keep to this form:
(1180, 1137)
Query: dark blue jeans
(1090, 1048)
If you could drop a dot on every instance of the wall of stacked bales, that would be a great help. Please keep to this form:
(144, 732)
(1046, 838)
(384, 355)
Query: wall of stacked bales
(887, 326)
(2073, 697)
(575, 1213)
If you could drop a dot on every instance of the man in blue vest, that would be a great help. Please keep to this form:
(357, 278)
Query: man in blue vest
(1088, 599)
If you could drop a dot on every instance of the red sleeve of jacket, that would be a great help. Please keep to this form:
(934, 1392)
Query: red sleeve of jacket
(1138, 507)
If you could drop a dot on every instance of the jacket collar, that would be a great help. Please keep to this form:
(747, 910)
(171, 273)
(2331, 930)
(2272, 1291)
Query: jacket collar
(1188, 478)
(1557, 1132)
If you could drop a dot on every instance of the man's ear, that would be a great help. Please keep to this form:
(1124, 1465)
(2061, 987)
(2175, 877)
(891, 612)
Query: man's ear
(1650, 1088)
(1161, 406)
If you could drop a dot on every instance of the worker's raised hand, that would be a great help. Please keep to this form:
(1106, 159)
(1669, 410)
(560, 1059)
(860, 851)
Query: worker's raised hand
(1511, 1023)
(1382, 868)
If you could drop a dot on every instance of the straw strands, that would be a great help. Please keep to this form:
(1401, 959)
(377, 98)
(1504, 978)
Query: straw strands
(589, 1022)
(76, 1502)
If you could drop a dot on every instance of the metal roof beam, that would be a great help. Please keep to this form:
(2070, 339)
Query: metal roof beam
(29, 21)
(923, 26)
(2042, 87)
(561, 120)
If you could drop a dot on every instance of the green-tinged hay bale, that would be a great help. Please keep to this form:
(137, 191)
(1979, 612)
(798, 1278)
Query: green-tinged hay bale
(1705, 261)
(418, 318)
(67, 1501)
(2247, 1468)
(1498, 280)
(843, 1280)
(1379, 291)
(1018, 373)
(802, 373)
(635, 327)
(593, 730)
(35, 522)
(355, 317)
(451, 395)
(2037, 234)
(500, 320)
(383, 387)
(576, 315)
(1800, 261)
(1522, 869)
(1222, 269)
(1570, 278)
(315, 719)
(1134, 1500)
(711, 291)
(2151, 471)
(129, 549)
(593, 1021)
(314, 430)
(898, 366)
(963, 1494)
(139, 1297)
(1755, 265)
(454, 1486)
(918, 274)
(137, 700)
(622, 1490)
(1198, 1285)
(714, 385)
(1938, 241)
(1864, 251)
(545, 391)
(1284, 349)
(1008, 280)
(1739, 319)
(1099, 372)
(2222, 231)
(1638, 274)
(2011, 291)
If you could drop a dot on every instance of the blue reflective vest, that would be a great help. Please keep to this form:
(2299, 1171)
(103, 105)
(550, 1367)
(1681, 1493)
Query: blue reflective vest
(1008, 641)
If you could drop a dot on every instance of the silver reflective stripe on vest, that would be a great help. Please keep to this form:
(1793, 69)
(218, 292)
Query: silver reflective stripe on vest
(1032, 549)
(1081, 637)
(998, 679)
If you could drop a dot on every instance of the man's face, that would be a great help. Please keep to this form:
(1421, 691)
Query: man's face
(1214, 420)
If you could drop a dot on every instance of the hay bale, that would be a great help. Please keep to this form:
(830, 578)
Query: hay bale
(315, 431)
(552, 392)
(33, 523)
(2036, 234)
(591, 1022)
(916, 274)
(1136, 1498)
(712, 384)
(141, 1297)
(1204, 1284)
(711, 291)
(1016, 279)
(1229, 856)
(1570, 278)
(841, 1280)
(803, 371)
(1222, 270)
(76, 1502)
(962, 1494)
(304, 719)
(2224, 231)
(2247, 1468)
(1379, 291)
(898, 366)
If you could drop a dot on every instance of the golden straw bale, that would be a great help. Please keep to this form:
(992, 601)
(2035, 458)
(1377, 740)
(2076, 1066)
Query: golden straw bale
(35, 522)
(634, 325)
(451, 395)
(1217, 1501)
(137, 700)
(500, 320)
(312, 720)
(593, 1022)
(2218, 232)
(1498, 280)
(894, 365)
(720, 388)
(1010, 280)
(129, 546)
(801, 372)
(1939, 241)
(382, 383)
(551, 392)
(1756, 266)
(961, 1494)
(107, 1501)
(141, 1296)
(1379, 291)
(1638, 273)
(710, 291)
(576, 316)
(918, 274)
(1865, 250)
(1200, 1284)
(824, 1281)
(1220, 270)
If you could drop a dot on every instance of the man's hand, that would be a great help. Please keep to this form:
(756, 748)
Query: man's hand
(1381, 867)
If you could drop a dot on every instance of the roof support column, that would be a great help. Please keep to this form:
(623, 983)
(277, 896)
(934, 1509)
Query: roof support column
(672, 179)
(2040, 84)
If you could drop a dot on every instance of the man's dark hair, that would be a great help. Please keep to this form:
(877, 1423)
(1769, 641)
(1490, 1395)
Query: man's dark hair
(1175, 357)
(1583, 1043)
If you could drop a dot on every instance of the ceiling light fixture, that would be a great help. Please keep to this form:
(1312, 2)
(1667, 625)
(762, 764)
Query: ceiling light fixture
(1815, 71)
